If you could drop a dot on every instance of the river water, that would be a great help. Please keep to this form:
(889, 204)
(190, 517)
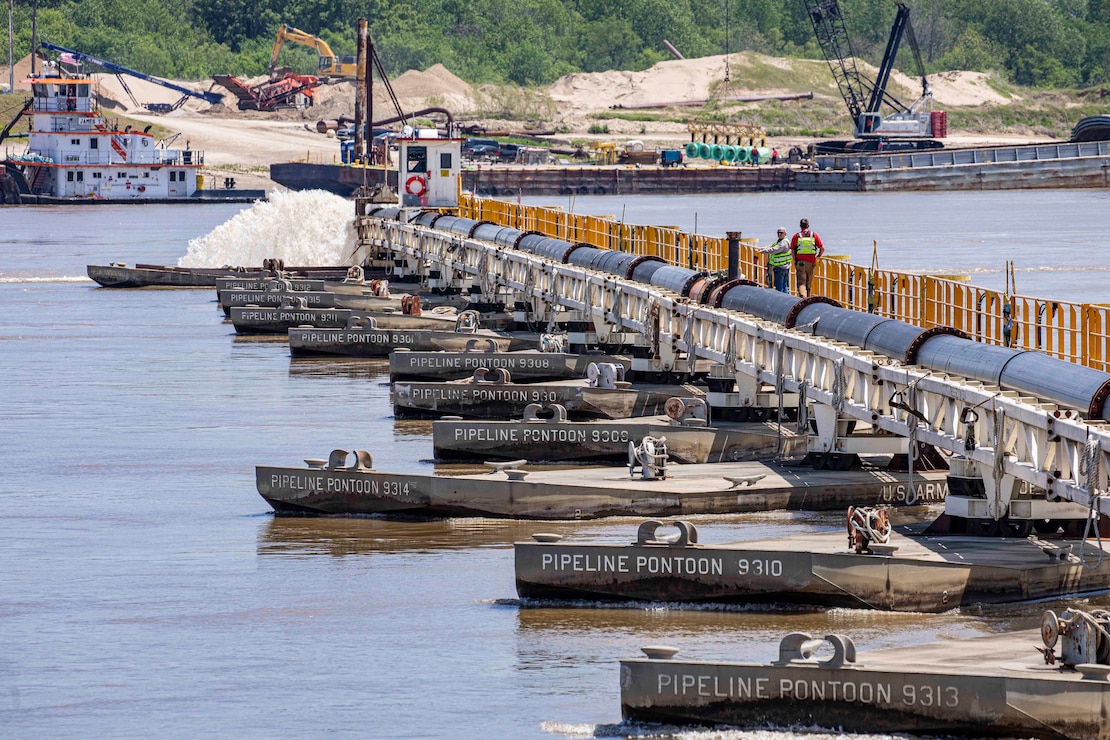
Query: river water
(146, 589)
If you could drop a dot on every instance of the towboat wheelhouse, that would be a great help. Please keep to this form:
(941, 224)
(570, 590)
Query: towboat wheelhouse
(74, 151)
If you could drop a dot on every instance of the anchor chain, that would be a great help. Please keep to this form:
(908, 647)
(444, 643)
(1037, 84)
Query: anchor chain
(839, 385)
(999, 465)
(1089, 467)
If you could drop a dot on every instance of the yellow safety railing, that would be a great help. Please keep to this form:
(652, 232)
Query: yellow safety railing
(696, 251)
(1079, 332)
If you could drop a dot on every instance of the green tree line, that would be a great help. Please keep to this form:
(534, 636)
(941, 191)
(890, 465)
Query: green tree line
(1049, 43)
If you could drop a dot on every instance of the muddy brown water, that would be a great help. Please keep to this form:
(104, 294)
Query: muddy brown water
(147, 590)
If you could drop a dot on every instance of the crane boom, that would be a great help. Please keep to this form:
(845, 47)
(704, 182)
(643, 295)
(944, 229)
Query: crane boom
(208, 96)
(910, 122)
(832, 36)
(878, 92)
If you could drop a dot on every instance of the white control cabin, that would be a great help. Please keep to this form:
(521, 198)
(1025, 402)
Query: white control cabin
(74, 151)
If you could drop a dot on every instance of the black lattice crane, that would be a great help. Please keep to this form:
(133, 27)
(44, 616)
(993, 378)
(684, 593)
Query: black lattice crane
(914, 121)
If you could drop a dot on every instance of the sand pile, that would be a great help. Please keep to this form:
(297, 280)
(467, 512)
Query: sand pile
(22, 69)
(957, 88)
(696, 79)
(435, 86)
(114, 96)
(665, 82)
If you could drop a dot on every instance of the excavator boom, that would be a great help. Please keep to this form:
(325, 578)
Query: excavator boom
(328, 64)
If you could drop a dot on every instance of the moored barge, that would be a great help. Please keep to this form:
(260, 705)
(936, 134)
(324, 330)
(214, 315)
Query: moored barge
(1052, 684)
(334, 486)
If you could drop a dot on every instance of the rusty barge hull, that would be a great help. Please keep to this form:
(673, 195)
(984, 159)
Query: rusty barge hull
(584, 493)
(166, 276)
(265, 320)
(596, 441)
(508, 400)
(924, 574)
(581, 180)
(527, 365)
(333, 283)
(997, 686)
(230, 284)
(1063, 165)
(644, 180)
(340, 179)
(230, 299)
(381, 342)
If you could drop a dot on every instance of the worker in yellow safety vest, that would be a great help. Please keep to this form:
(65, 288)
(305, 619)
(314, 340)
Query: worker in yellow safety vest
(779, 256)
(807, 248)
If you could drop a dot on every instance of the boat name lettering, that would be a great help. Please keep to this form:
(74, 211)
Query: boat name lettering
(811, 689)
(759, 567)
(610, 435)
(586, 563)
(931, 695)
(807, 689)
(305, 316)
(554, 434)
(927, 491)
(324, 483)
(288, 316)
(654, 564)
(751, 687)
(357, 337)
(462, 393)
(733, 687)
(486, 434)
(473, 363)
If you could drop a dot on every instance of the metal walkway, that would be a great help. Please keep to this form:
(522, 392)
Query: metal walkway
(1006, 438)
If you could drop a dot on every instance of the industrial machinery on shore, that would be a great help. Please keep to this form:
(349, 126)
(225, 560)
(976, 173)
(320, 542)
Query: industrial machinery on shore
(118, 70)
(328, 64)
(290, 90)
(915, 126)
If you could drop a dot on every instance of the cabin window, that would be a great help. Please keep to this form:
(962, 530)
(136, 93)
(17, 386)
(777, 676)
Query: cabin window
(75, 142)
(445, 160)
(173, 176)
(146, 174)
(181, 176)
(80, 177)
(94, 143)
(96, 176)
(417, 159)
(69, 176)
(82, 91)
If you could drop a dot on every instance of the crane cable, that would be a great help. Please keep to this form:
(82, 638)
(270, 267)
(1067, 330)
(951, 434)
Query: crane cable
(872, 293)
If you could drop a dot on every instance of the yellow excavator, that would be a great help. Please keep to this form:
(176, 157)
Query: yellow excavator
(329, 64)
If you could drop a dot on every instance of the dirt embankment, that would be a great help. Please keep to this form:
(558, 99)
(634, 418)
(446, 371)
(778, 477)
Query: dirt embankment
(243, 144)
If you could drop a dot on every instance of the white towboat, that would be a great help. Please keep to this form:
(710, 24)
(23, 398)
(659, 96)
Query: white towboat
(74, 151)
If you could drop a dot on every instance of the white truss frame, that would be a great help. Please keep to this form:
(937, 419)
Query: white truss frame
(1042, 444)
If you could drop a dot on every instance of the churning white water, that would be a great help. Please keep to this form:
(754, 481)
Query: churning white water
(312, 227)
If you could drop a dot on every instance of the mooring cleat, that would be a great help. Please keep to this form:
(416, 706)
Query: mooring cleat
(744, 480)
(504, 467)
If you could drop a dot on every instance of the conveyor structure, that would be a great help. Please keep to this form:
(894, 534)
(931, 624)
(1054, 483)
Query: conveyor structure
(1020, 422)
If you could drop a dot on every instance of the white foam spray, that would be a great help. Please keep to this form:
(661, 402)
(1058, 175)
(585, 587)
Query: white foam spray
(310, 227)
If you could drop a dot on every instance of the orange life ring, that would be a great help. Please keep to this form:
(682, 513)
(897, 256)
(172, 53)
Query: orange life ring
(419, 182)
